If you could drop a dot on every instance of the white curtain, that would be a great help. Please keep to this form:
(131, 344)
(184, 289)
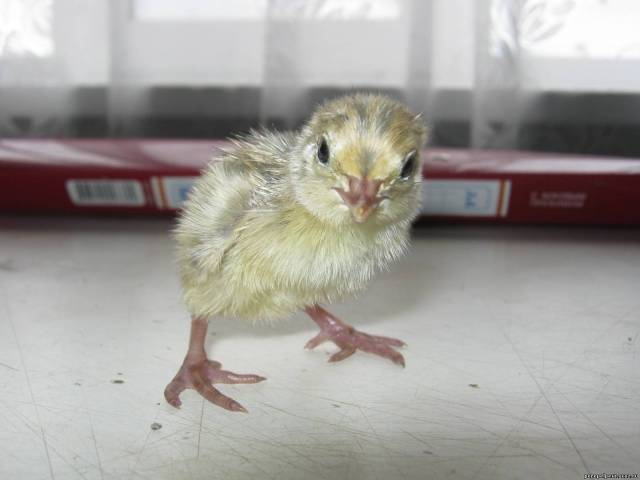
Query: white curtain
(91, 67)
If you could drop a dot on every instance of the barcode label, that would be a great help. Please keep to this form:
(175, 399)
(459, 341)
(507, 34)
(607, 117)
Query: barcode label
(125, 193)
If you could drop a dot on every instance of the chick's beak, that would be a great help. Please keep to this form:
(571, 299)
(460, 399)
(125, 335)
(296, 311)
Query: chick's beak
(361, 197)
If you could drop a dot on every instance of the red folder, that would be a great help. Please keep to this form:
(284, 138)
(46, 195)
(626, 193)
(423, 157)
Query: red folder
(154, 176)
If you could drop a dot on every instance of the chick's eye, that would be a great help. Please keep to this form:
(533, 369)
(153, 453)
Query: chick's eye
(409, 166)
(323, 151)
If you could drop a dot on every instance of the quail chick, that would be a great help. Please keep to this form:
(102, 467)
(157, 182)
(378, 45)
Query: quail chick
(283, 222)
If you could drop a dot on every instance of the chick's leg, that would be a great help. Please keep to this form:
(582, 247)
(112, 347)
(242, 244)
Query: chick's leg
(349, 339)
(198, 372)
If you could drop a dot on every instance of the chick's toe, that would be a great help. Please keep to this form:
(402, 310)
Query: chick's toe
(198, 372)
(349, 339)
(200, 376)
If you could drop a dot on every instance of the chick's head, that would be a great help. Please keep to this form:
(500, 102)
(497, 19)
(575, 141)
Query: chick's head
(359, 161)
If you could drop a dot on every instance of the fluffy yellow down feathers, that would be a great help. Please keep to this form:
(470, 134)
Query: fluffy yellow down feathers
(265, 231)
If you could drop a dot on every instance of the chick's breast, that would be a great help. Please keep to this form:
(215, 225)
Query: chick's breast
(247, 249)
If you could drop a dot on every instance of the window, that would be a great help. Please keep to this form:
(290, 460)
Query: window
(569, 45)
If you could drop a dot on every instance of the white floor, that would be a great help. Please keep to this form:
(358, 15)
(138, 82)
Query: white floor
(523, 362)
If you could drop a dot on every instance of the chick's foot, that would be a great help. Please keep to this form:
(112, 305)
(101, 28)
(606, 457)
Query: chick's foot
(349, 339)
(199, 374)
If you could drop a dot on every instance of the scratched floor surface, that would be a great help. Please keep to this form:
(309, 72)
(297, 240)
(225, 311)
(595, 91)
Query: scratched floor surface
(523, 362)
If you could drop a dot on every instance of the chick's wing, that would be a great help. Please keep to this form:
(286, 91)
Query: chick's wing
(247, 178)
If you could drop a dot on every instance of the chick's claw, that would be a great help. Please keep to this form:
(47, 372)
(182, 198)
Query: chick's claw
(349, 339)
(199, 376)
(343, 353)
(319, 339)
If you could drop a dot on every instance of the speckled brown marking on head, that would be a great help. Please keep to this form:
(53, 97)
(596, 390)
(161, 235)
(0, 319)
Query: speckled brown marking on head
(382, 118)
(373, 134)
(328, 120)
(362, 114)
